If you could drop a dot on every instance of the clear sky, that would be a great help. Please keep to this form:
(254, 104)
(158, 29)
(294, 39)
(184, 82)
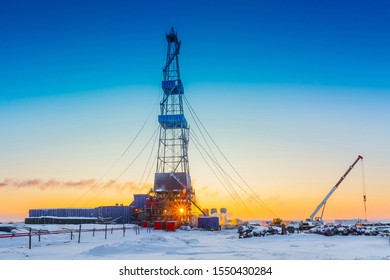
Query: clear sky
(291, 91)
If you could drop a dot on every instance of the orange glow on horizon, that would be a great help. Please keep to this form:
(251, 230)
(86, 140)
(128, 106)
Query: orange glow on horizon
(346, 203)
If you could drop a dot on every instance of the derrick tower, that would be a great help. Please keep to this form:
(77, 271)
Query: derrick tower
(172, 194)
(173, 145)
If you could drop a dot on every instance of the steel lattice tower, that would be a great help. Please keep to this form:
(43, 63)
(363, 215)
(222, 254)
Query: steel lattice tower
(173, 144)
(172, 195)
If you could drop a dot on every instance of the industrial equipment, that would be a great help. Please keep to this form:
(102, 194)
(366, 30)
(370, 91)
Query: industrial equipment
(313, 221)
(208, 223)
(172, 197)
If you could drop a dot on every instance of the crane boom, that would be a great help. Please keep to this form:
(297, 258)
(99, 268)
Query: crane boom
(323, 202)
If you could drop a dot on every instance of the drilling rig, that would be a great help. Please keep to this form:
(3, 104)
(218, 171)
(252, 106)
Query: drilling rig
(172, 196)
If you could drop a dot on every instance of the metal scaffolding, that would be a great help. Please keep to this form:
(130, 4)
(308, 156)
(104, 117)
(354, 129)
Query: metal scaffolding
(172, 195)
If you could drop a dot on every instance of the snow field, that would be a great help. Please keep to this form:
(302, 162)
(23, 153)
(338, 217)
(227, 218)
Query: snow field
(190, 245)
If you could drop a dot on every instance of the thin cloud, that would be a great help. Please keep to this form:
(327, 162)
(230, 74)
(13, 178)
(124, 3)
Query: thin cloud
(208, 191)
(81, 184)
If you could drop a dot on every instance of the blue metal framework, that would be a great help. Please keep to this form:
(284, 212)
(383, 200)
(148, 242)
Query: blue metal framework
(174, 131)
(172, 193)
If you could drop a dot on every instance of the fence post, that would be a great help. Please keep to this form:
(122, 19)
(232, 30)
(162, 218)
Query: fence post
(93, 232)
(105, 232)
(124, 229)
(79, 233)
(71, 234)
(29, 239)
(39, 235)
(138, 229)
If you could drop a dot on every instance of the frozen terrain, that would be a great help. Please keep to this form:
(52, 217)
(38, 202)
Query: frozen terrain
(189, 245)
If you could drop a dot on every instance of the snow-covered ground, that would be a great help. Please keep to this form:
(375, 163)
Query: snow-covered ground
(190, 245)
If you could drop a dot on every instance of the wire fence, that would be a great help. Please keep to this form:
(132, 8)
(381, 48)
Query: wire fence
(72, 232)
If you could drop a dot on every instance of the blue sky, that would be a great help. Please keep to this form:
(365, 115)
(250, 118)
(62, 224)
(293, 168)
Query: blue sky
(85, 45)
(286, 87)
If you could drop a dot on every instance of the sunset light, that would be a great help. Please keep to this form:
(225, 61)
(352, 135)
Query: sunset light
(276, 102)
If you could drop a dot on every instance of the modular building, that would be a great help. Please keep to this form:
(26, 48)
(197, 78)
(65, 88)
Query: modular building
(60, 220)
(119, 214)
(102, 214)
(139, 201)
(62, 212)
(208, 223)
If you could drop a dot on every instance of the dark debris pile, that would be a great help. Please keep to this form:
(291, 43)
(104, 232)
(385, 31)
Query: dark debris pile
(331, 230)
(248, 231)
(257, 231)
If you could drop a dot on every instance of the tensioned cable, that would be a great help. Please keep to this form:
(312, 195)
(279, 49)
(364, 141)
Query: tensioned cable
(262, 202)
(258, 200)
(121, 156)
(142, 150)
(234, 181)
(237, 199)
(227, 185)
(233, 192)
(215, 160)
(364, 189)
(243, 206)
(150, 171)
(251, 196)
(147, 164)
